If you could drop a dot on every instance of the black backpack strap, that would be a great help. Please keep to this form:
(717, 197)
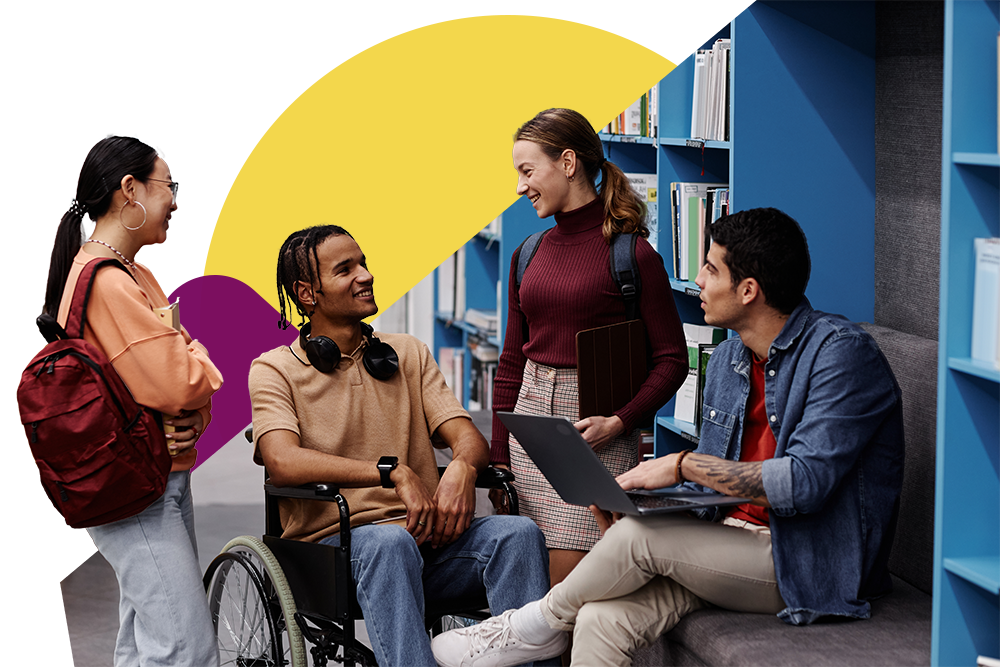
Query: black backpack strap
(525, 252)
(626, 273)
(81, 295)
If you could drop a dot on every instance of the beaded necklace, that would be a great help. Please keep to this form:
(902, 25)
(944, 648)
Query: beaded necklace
(115, 250)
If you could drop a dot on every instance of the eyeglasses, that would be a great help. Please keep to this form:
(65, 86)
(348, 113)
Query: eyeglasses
(174, 186)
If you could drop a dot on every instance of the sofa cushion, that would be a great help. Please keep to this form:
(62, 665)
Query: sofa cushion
(898, 633)
(914, 363)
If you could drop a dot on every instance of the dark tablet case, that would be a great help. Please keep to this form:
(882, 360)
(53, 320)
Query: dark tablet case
(611, 366)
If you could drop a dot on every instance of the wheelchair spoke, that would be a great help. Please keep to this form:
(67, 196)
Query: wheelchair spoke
(238, 610)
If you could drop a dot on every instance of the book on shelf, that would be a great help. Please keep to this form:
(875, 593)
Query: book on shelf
(710, 94)
(446, 287)
(986, 302)
(687, 210)
(688, 398)
(451, 361)
(644, 185)
(639, 119)
(484, 320)
(482, 350)
(459, 301)
(451, 286)
(645, 444)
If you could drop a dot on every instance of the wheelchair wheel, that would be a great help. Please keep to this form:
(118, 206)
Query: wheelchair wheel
(252, 607)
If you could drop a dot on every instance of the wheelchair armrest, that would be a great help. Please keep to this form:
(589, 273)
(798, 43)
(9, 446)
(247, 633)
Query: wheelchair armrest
(489, 478)
(313, 491)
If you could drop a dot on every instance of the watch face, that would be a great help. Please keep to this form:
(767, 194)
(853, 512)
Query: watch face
(385, 466)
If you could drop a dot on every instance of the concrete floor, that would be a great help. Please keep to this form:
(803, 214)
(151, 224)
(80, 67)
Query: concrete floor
(228, 502)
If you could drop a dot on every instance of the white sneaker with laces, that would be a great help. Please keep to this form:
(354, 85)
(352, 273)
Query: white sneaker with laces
(492, 643)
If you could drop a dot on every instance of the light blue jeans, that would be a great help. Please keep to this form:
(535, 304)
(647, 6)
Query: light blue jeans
(163, 609)
(504, 554)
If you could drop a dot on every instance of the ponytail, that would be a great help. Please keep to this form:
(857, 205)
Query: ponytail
(624, 211)
(69, 236)
(108, 162)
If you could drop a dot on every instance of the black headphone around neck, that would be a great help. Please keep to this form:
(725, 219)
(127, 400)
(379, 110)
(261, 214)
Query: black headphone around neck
(379, 359)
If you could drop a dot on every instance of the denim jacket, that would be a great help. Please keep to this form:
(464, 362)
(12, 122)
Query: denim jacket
(834, 482)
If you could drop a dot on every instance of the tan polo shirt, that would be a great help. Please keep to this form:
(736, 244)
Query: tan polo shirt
(351, 414)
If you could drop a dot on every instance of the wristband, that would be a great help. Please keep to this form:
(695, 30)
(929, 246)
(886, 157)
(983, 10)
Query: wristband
(385, 466)
(677, 472)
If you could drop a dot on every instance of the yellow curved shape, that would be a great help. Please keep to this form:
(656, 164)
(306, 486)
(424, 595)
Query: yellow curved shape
(408, 144)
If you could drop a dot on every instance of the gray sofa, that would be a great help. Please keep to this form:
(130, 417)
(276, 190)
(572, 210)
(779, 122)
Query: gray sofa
(899, 630)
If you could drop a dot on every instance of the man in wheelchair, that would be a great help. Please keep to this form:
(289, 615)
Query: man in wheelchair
(345, 407)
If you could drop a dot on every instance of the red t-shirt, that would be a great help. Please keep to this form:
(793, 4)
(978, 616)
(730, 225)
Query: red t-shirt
(758, 440)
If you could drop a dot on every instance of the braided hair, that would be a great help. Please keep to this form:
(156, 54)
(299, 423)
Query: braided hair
(109, 161)
(298, 260)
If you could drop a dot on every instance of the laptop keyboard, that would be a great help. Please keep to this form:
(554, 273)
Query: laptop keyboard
(655, 502)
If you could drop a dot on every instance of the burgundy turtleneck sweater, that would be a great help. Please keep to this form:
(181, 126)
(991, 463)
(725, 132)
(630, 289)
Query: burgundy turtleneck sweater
(568, 288)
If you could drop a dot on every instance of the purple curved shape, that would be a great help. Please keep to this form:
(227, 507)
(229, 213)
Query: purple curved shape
(236, 326)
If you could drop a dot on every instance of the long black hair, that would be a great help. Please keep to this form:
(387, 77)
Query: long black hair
(108, 162)
(299, 260)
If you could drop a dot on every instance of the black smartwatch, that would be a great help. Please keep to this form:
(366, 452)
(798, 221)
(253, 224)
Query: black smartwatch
(386, 465)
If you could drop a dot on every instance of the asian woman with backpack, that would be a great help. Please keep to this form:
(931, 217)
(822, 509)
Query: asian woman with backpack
(128, 191)
(568, 287)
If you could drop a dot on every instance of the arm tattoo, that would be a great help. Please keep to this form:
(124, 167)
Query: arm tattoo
(736, 478)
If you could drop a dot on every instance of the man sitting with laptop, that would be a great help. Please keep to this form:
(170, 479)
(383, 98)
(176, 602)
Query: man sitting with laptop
(802, 415)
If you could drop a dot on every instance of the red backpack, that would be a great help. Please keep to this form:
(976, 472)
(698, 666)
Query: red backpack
(101, 456)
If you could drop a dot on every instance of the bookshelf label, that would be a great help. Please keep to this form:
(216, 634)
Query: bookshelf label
(694, 143)
(691, 291)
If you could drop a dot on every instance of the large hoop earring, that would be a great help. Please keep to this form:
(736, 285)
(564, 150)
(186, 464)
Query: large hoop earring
(121, 220)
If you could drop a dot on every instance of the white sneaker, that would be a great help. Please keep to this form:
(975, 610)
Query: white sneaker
(492, 643)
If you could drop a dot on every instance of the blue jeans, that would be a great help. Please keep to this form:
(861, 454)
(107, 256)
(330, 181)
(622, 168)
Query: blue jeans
(163, 610)
(504, 554)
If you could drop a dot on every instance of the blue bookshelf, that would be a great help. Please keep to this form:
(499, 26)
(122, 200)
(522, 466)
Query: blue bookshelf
(482, 270)
(966, 622)
(795, 144)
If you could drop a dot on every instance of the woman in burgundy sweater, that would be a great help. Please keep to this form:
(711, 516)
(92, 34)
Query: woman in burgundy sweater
(568, 288)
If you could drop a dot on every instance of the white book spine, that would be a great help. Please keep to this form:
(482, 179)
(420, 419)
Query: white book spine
(986, 302)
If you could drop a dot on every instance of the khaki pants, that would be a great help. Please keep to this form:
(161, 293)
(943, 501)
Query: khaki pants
(648, 573)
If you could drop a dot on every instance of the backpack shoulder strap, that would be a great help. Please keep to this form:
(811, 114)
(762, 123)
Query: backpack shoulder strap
(81, 293)
(526, 251)
(626, 273)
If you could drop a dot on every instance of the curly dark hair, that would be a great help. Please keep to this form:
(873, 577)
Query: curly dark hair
(769, 246)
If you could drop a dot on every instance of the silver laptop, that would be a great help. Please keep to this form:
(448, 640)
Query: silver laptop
(579, 477)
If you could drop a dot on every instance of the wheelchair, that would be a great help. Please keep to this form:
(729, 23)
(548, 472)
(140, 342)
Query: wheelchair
(269, 597)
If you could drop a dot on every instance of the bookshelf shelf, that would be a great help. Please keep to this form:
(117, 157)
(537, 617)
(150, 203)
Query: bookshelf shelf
(686, 286)
(975, 368)
(685, 142)
(978, 159)
(984, 571)
(685, 430)
(966, 613)
(626, 139)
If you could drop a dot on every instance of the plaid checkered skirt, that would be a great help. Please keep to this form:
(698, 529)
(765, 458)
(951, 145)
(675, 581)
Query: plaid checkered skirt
(553, 391)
